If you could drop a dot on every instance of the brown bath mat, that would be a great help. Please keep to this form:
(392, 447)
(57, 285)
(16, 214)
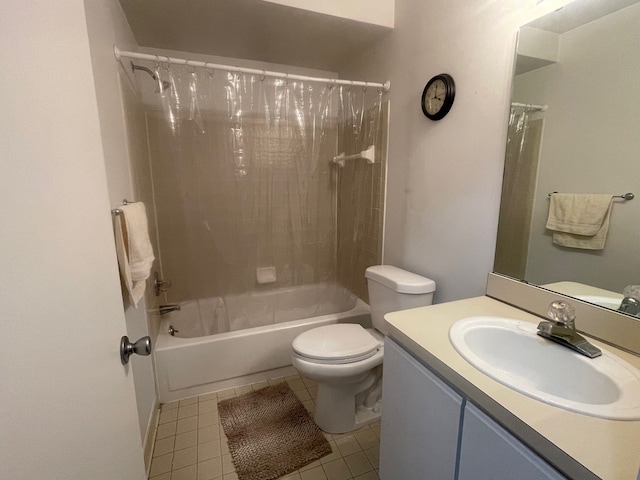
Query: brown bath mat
(270, 433)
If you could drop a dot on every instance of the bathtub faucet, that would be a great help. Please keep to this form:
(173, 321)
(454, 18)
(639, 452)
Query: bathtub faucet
(164, 309)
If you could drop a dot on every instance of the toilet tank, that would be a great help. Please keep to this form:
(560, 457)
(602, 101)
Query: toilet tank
(392, 289)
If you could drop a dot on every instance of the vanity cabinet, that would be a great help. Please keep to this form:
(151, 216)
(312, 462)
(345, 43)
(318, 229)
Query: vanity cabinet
(420, 420)
(488, 452)
(429, 431)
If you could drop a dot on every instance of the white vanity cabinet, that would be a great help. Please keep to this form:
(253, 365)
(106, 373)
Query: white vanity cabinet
(488, 452)
(420, 421)
(422, 435)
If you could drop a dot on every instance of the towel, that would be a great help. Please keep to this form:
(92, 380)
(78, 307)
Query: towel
(579, 220)
(133, 248)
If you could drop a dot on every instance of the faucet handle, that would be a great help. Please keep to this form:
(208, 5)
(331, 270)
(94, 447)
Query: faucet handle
(562, 313)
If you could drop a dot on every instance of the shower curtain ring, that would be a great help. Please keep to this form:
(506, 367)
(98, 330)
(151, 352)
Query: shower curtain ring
(193, 67)
(263, 76)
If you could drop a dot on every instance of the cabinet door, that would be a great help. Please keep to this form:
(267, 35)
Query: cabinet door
(489, 452)
(420, 420)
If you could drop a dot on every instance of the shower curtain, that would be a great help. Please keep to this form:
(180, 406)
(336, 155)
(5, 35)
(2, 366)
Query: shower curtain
(243, 177)
(518, 191)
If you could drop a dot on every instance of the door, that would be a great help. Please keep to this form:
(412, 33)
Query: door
(67, 404)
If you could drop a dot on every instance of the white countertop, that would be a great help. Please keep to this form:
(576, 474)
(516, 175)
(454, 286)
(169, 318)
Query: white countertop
(610, 449)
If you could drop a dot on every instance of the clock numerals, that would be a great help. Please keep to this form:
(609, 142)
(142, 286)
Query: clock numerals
(437, 96)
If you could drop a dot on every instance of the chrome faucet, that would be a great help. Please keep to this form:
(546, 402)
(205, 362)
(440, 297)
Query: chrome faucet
(164, 309)
(630, 305)
(562, 329)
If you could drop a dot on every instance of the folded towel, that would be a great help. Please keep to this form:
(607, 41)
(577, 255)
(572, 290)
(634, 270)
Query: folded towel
(134, 250)
(579, 220)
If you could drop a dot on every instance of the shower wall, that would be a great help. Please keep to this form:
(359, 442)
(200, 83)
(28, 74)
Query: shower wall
(241, 223)
(361, 191)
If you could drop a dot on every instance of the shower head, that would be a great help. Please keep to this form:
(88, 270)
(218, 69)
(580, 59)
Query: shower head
(159, 89)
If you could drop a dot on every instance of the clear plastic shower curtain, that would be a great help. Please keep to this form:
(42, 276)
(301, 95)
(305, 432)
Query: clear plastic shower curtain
(243, 178)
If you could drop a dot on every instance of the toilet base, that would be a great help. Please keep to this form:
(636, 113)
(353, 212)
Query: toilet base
(340, 409)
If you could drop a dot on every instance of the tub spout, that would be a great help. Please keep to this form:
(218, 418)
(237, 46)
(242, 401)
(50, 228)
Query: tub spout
(164, 309)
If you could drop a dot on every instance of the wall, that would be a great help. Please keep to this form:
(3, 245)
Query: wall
(378, 12)
(444, 178)
(590, 144)
(107, 27)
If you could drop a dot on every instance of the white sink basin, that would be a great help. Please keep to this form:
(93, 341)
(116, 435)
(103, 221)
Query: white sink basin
(511, 352)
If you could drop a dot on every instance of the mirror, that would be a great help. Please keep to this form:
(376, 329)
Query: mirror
(574, 128)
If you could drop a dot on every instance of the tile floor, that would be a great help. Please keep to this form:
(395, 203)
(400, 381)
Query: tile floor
(191, 445)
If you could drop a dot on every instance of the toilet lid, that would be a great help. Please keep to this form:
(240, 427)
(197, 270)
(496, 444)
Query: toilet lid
(340, 342)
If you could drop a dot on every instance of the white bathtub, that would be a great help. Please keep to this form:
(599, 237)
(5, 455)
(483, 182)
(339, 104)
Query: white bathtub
(204, 362)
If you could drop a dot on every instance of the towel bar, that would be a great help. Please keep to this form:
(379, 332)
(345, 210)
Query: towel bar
(117, 211)
(626, 196)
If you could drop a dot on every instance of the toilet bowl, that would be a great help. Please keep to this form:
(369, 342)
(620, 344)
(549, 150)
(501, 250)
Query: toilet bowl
(345, 360)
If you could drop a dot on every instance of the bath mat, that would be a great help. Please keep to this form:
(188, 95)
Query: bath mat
(270, 433)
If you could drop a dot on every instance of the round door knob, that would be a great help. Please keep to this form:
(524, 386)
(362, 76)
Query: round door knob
(141, 347)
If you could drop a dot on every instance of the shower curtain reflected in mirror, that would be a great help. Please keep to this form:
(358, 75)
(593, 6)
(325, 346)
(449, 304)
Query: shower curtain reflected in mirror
(518, 190)
(243, 180)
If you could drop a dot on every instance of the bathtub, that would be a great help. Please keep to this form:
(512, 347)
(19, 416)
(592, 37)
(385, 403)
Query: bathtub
(238, 339)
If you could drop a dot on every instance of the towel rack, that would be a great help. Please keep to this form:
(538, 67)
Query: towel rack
(626, 196)
(117, 211)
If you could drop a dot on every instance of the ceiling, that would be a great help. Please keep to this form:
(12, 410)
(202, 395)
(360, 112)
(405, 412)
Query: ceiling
(250, 29)
(579, 13)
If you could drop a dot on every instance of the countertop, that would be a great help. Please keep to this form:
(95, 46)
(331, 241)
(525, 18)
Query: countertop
(578, 445)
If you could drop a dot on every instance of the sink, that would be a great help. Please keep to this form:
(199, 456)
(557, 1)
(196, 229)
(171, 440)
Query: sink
(511, 352)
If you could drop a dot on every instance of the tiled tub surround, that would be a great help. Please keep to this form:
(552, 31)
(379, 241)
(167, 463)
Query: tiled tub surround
(191, 445)
(579, 446)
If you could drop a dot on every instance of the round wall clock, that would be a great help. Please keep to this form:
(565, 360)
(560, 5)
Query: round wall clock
(437, 96)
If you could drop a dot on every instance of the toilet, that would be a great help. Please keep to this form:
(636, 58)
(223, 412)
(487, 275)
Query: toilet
(345, 359)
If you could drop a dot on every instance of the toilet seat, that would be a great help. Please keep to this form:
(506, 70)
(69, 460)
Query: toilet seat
(339, 343)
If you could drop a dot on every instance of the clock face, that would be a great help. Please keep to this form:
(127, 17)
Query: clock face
(434, 99)
(437, 96)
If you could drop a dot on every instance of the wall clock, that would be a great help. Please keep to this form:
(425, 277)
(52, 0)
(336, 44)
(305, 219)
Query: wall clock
(437, 96)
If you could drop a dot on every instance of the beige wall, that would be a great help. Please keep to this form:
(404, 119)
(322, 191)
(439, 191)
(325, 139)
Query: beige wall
(444, 178)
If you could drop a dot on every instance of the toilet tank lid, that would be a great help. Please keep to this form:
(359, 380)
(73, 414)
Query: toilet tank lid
(400, 280)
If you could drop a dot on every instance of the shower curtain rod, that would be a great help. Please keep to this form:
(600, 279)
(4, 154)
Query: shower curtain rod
(530, 106)
(230, 68)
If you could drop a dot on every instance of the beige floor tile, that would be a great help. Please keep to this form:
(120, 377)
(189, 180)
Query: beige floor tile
(188, 401)
(161, 464)
(308, 382)
(209, 450)
(259, 385)
(372, 475)
(170, 405)
(367, 439)
(184, 458)
(224, 446)
(166, 430)
(207, 419)
(230, 476)
(296, 384)
(373, 454)
(187, 424)
(334, 455)
(375, 428)
(309, 405)
(164, 476)
(276, 381)
(163, 446)
(230, 392)
(358, 463)
(227, 464)
(302, 394)
(242, 390)
(291, 476)
(186, 473)
(186, 440)
(337, 470)
(347, 445)
(311, 465)
(167, 416)
(188, 410)
(208, 407)
(210, 469)
(208, 396)
(207, 434)
(313, 474)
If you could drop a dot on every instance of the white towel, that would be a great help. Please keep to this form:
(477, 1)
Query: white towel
(580, 220)
(134, 250)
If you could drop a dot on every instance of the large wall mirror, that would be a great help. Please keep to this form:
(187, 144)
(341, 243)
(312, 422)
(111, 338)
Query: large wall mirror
(574, 127)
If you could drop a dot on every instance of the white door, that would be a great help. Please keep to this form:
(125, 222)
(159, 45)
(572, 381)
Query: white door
(67, 405)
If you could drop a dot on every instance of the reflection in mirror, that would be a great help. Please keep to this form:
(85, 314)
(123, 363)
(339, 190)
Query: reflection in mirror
(574, 128)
